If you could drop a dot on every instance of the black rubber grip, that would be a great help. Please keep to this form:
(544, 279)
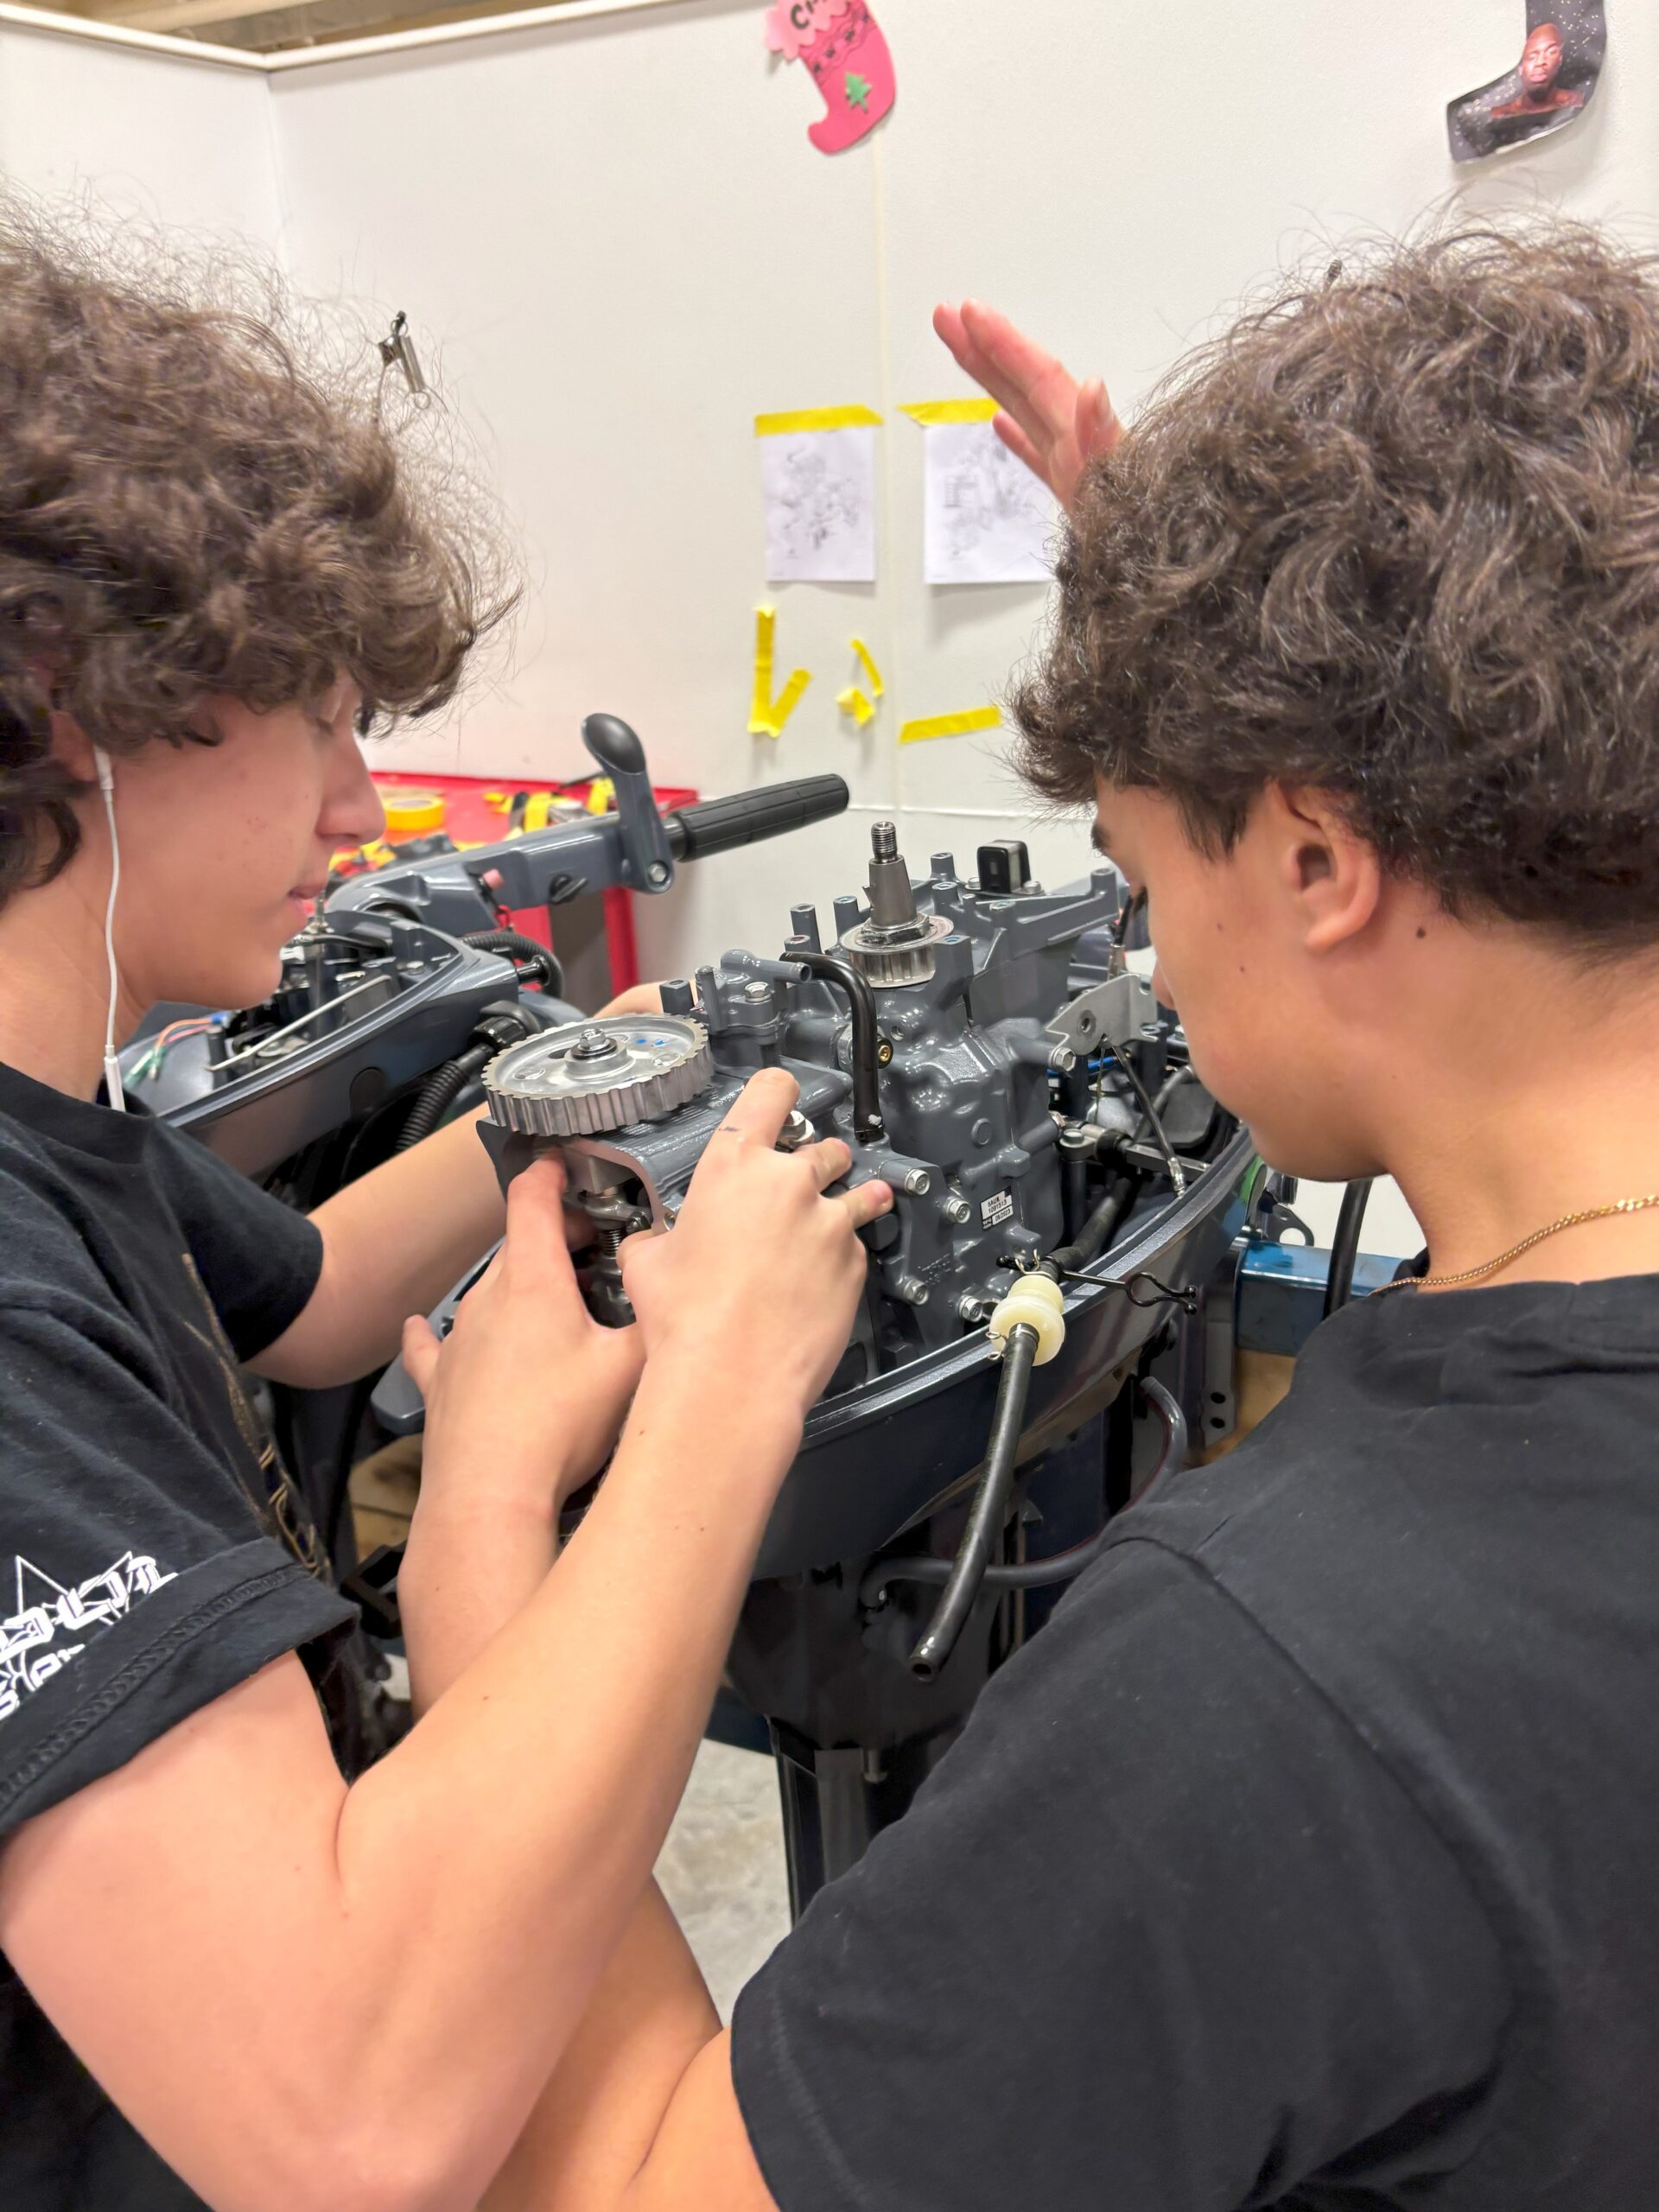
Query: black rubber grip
(719, 825)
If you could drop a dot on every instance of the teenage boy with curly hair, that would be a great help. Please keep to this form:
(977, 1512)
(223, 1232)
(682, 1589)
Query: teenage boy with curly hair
(231, 1972)
(1305, 1859)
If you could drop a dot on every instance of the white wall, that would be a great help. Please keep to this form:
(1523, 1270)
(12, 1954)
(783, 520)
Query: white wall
(177, 142)
(616, 246)
(624, 248)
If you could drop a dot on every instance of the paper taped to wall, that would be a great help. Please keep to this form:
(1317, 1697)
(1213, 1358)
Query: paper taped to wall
(818, 473)
(987, 519)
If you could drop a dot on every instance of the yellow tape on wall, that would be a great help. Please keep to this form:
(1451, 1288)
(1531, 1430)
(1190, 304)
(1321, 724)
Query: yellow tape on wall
(866, 661)
(766, 714)
(951, 725)
(930, 412)
(852, 702)
(815, 418)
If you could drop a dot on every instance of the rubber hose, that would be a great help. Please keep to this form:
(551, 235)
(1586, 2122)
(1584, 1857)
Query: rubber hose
(1345, 1249)
(439, 1093)
(1102, 1225)
(989, 1511)
(1097, 1231)
(1059, 1566)
(1170, 1085)
(517, 946)
(867, 1125)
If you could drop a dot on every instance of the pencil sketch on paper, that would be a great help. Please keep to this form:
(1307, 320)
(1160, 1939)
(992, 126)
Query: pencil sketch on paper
(988, 521)
(820, 500)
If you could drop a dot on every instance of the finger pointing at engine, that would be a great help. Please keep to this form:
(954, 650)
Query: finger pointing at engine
(761, 1108)
(868, 1203)
(829, 1162)
(760, 1267)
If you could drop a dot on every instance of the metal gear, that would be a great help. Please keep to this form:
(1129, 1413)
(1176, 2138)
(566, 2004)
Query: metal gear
(895, 946)
(592, 1076)
(889, 958)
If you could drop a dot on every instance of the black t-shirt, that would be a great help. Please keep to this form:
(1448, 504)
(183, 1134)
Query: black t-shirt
(1308, 1857)
(152, 1553)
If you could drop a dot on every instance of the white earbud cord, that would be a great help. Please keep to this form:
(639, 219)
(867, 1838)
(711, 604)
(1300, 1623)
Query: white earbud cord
(112, 1086)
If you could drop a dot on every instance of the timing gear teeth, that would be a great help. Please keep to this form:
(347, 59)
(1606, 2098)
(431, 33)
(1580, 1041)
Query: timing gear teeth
(548, 1086)
(889, 959)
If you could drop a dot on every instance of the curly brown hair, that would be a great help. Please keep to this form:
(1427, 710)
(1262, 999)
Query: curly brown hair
(187, 507)
(1397, 537)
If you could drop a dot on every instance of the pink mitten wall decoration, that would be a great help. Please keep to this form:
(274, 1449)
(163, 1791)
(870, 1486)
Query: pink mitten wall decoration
(843, 45)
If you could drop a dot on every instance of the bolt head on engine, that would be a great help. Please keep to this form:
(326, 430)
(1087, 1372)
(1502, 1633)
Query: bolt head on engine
(592, 1076)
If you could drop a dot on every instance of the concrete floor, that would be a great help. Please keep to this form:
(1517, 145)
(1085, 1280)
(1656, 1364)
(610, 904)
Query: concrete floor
(722, 1868)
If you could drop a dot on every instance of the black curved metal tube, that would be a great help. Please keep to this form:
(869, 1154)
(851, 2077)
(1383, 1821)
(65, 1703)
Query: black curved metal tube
(1059, 1566)
(1344, 1247)
(989, 1511)
(868, 1124)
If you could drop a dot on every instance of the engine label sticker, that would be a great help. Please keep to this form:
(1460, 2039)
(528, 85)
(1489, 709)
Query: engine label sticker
(999, 1207)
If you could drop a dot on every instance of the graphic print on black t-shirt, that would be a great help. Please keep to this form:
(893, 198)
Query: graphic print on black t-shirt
(47, 1625)
(153, 1552)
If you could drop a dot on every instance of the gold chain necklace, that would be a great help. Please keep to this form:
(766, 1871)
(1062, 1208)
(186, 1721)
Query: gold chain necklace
(1475, 1274)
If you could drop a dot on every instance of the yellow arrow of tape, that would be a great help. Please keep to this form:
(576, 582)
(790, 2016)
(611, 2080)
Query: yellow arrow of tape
(766, 714)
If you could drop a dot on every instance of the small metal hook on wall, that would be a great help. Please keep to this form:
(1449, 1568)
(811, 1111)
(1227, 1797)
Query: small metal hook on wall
(397, 351)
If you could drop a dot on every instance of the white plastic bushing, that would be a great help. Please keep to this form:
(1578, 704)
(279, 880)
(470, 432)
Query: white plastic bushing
(1035, 1302)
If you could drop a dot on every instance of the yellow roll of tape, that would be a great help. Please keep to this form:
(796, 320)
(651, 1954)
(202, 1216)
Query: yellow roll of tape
(413, 814)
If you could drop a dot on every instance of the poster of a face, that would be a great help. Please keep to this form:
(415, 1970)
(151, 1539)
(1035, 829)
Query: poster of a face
(1551, 84)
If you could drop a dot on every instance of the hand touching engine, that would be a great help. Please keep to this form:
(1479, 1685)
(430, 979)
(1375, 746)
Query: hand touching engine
(1055, 425)
(759, 1278)
(527, 1392)
(523, 1399)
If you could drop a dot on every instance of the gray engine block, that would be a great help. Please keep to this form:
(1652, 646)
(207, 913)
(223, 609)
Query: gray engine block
(964, 977)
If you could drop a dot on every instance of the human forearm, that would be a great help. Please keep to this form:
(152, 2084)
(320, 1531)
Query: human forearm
(597, 2121)
(393, 1242)
(488, 1867)
(412, 1954)
(472, 1565)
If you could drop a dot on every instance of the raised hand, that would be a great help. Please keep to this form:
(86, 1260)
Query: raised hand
(1055, 425)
